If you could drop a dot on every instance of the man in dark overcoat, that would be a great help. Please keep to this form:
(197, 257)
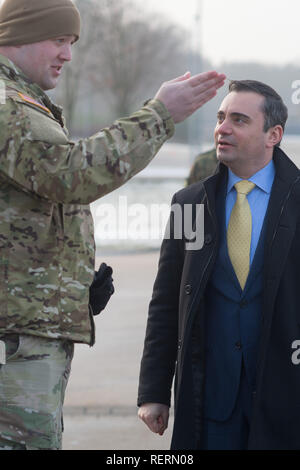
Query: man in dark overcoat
(225, 319)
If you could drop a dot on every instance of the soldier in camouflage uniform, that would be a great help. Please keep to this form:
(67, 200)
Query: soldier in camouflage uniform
(204, 166)
(47, 182)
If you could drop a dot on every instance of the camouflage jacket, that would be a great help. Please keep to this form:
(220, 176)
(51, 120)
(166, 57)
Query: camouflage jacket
(204, 166)
(46, 185)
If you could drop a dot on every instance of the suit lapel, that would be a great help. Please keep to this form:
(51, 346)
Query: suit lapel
(223, 258)
(257, 263)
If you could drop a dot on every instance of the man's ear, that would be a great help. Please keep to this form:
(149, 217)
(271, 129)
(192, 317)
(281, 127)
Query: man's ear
(274, 136)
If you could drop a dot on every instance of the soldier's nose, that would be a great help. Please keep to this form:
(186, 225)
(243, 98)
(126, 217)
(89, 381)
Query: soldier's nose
(66, 53)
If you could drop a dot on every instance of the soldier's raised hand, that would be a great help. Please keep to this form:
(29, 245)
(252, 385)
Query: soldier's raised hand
(184, 95)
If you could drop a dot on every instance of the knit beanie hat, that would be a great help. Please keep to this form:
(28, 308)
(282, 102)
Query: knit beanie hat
(29, 21)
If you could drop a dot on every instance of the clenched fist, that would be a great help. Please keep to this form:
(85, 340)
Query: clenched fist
(156, 416)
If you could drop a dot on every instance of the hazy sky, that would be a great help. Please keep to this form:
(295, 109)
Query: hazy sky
(258, 30)
(239, 30)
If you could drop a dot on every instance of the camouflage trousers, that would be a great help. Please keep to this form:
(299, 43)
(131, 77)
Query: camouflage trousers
(32, 388)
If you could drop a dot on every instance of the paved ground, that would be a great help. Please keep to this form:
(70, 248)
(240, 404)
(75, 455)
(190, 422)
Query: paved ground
(100, 405)
(111, 433)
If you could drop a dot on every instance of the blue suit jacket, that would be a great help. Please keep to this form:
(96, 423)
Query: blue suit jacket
(233, 325)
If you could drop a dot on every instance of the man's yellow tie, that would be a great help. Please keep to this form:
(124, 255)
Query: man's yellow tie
(239, 232)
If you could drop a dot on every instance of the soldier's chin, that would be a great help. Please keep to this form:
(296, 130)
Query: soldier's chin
(49, 84)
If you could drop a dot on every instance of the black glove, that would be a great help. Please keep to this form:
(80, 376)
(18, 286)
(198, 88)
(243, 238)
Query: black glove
(101, 289)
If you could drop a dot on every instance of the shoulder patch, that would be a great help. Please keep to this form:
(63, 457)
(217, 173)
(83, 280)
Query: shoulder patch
(30, 100)
(17, 95)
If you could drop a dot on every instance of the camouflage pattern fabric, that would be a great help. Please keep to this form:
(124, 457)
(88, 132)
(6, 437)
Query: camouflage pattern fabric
(47, 182)
(203, 167)
(32, 389)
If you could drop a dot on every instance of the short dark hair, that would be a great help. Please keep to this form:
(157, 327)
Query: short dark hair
(274, 109)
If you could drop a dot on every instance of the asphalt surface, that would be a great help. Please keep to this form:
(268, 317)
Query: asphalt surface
(100, 410)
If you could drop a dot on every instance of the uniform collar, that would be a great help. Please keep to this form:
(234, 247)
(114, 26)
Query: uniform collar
(18, 80)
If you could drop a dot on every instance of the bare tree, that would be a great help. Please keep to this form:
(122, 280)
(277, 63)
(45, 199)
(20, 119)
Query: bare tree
(70, 88)
(137, 51)
(121, 58)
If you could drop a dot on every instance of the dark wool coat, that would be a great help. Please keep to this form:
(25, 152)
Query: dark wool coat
(174, 342)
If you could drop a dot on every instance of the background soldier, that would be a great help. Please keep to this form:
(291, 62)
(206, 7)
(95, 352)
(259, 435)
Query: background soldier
(204, 166)
(46, 184)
